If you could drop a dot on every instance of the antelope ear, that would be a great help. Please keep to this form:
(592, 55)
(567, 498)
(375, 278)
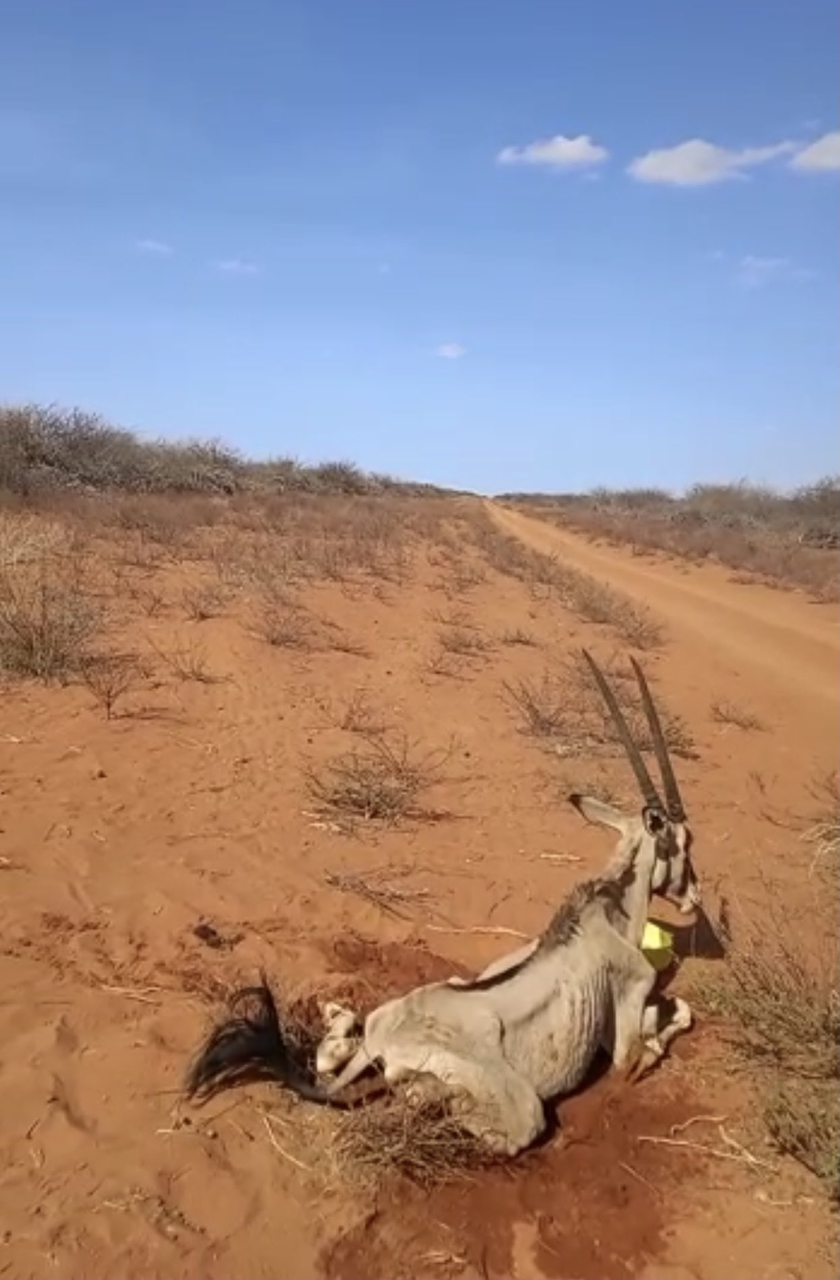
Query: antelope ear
(600, 812)
(654, 820)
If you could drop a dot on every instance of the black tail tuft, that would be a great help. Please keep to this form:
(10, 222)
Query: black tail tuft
(249, 1046)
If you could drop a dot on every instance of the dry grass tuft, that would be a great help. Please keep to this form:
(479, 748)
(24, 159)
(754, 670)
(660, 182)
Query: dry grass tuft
(187, 660)
(360, 716)
(286, 625)
(24, 538)
(378, 887)
(724, 712)
(381, 782)
(823, 836)
(540, 705)
(786, 1016)
(420, 1143)
(46, 623)
(204, 602)
(518, 636)
(463, 642)
(565, 707)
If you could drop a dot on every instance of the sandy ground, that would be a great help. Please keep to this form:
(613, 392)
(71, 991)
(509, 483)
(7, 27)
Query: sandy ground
(190, 807)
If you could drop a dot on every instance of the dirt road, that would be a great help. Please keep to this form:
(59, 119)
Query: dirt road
(781, 648)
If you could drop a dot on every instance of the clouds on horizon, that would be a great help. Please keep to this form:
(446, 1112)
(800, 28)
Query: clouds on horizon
(693, 163)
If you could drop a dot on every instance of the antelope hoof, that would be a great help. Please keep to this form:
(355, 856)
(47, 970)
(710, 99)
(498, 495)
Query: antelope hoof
(646, 1054)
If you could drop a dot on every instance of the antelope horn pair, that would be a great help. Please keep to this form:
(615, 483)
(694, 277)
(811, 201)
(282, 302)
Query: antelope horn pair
(673, 806)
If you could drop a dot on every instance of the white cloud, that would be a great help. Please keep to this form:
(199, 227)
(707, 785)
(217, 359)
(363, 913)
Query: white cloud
(754, 271)
(558, 152)
(155, 248)
(236, 267)
(822, 156)
(697, 163)
(451, 350)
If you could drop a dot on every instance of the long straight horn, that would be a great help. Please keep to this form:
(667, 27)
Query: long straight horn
(634, 755)
(673, 799)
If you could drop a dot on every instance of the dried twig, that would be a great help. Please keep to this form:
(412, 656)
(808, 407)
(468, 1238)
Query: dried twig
(733, 1150)
(634, 1173)
(686, 1124)
(144, 996)
(272, 1137)
(478, 928)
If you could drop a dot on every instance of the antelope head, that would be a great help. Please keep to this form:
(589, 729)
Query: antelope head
(662, 820)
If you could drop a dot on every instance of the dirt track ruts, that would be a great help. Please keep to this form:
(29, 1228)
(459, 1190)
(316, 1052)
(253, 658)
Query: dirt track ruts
(755, 631)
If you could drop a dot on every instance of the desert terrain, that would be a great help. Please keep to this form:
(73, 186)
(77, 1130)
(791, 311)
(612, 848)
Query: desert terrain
(330, 735)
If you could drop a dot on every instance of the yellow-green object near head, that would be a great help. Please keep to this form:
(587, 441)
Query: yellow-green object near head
(657, 946)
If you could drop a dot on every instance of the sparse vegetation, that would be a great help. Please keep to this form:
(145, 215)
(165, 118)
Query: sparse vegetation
(45, 448)
(359, 716)
(24, 538)
(286, 626)
(518, 635)
(187, 660)
(378, 886)
(564, 707)
(785, 1011)
(724, 712)
(109, 677)
(381, 782)
(823, 835)
(465, 643)
(540, 705)
(580, 593)
(47, 622)
(204, 602)
(787, 538)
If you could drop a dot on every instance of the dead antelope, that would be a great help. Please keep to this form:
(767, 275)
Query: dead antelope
(528, 1028)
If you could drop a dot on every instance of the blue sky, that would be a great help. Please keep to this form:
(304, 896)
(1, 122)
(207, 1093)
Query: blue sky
(505, 246)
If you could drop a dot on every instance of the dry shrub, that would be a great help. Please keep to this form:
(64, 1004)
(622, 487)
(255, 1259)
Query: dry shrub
(423, 1144)
(286, 625)
(24, 538)
(381, 782)
(342, 642)
(447, 666)
(785, 1012)
(823, 835)
(723, 712)
(204, 602)
(540, 705)
(564, 705)
(463, 642)
(110, 676)
(47, 622)
(359, 716)
(187, 660)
